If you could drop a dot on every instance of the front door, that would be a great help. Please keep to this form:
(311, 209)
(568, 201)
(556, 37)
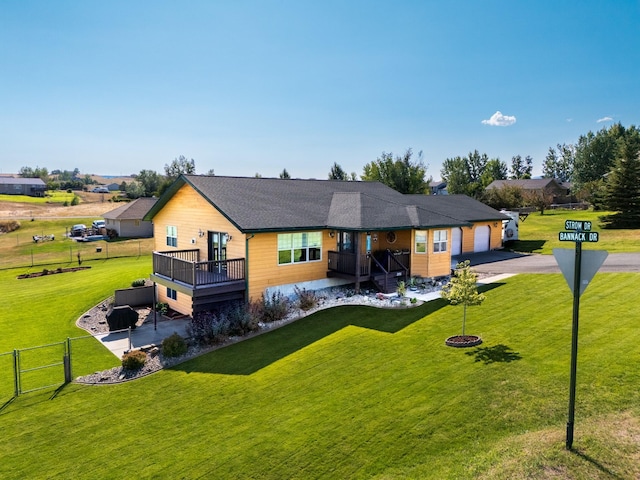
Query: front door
(217, 251)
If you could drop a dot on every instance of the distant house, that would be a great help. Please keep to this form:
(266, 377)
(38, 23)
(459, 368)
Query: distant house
(231, 238)
(33, 187)
(128, 220)
(438, 187)
(561, 191)
(534, 184)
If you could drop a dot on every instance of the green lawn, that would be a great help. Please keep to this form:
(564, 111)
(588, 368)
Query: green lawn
(357, 392)
(539, 233)
(52, 196)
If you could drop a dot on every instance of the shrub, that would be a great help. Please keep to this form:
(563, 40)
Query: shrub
(162, 308)
(140, 282)
(7, 226)
(271, 308)
(207, 328)
(134, 360)
(174, 346)
(306, 298)
(401, 290)
(75, 200)
(69, 190)
(241, 320)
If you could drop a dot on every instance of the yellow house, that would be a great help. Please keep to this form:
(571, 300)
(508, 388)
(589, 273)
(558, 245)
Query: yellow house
(233, 238)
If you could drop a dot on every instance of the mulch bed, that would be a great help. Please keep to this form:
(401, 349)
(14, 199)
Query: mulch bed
(51, 272)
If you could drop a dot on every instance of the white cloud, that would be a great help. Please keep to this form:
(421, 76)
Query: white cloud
(605, 119)
(500, 120)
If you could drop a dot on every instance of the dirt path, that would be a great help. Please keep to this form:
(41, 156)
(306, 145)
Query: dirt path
(88, 208)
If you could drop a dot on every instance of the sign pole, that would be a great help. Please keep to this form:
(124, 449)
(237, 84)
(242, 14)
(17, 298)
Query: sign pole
(574, 344)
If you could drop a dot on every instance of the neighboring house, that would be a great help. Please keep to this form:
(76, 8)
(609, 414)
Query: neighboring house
(34, 187)
(438, 187)
(561, 192)
(113, 187)
(128, 220)
(223, 238)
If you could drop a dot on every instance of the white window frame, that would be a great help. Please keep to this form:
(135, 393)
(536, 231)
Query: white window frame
(172, 236)
(420, 241)
(299, 247)
(440, 238)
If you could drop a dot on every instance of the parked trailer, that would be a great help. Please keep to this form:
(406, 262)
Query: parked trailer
(510, 227)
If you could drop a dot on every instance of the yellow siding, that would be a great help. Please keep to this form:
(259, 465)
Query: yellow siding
(191, 213)
(182, 303)
(431, 264)
(264, 271)
(495, 232)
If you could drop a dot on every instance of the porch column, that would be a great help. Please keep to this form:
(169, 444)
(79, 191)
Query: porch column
(356, 241)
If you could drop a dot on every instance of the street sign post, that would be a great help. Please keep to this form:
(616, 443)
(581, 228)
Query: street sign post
(579, 232)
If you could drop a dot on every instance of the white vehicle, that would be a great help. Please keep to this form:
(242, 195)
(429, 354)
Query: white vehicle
(510, 227)
(98, 224)
(100, 190)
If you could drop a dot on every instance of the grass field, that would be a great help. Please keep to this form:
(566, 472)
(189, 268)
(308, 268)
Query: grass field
(17, 248)
(353, 392)
(55, 196)
(539, 233)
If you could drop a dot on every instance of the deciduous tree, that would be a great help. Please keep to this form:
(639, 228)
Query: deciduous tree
(401, 174)
(462, 289)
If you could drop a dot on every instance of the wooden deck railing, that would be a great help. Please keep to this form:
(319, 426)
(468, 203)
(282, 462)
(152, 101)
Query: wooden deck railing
(183, 266)
(346, 263)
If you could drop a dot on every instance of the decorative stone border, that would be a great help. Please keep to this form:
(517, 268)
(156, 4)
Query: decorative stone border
(462, 341)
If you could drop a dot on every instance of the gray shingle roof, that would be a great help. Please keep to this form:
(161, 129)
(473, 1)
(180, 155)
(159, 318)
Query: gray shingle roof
(21, 181)
(135, 210)
(271, 204)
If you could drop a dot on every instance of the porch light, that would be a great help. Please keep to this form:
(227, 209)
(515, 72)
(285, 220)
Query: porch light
(200, 233)
(332, 234)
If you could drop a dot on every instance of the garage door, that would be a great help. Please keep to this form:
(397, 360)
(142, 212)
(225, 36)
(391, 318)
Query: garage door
(481, 239)
(456, 241)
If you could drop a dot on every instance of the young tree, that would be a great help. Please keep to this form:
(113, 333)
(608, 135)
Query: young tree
(401, 174)
(462, 289)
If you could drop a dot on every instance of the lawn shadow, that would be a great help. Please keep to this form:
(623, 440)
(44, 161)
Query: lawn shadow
(495, 354)
(597, 464)
(528, 246)
(253, 354)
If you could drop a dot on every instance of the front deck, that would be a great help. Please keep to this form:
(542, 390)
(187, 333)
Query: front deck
(384, 268)
(205, 282)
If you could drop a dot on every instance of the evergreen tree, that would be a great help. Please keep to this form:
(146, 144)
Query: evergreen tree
(622, 189)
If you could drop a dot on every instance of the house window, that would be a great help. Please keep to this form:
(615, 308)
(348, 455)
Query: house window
(172, 236)
(421, 241)
(299, 247)
(440, 241)
(172, 294)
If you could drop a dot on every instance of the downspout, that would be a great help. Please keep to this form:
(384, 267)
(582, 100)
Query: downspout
(246, 267)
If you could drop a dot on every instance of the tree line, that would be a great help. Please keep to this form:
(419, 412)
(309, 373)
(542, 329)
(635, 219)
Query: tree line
(603, 168)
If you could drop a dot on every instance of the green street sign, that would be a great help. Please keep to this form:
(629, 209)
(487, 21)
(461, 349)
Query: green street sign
(577, 225)
(578, 237)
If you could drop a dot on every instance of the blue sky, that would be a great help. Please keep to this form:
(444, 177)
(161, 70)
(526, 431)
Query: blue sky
(247, 87)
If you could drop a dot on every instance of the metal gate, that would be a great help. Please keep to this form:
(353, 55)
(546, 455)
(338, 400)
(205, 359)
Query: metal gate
(44, 366)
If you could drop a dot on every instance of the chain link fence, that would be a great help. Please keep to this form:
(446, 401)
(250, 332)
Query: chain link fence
(36, 255)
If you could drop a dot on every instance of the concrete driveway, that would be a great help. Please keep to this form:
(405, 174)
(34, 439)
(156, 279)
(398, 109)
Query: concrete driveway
(503, 261)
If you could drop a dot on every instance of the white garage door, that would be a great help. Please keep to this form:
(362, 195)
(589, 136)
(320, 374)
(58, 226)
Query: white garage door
(456, 241)
(481, 239)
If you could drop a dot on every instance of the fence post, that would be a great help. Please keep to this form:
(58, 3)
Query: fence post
(129, 338)
(67, 362)
(16, 373)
